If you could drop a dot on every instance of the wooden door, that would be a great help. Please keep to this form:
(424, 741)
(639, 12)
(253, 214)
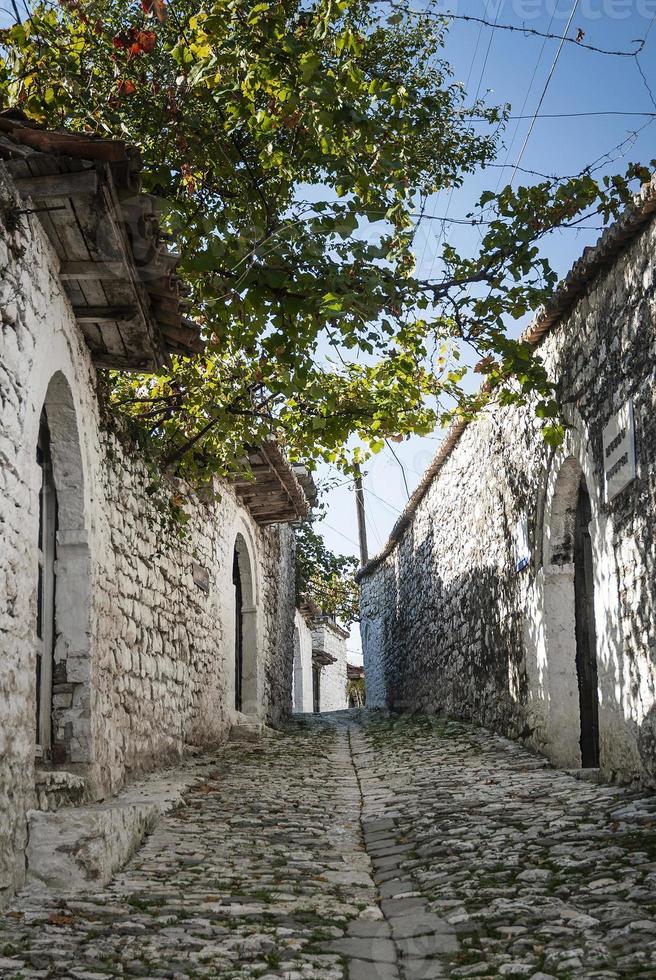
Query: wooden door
(586, 639)
(316, 685)
(239, 633)
(45, 613)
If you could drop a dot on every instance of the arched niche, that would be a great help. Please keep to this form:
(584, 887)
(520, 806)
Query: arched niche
(68, 675)
(570, 627)
(246, 681)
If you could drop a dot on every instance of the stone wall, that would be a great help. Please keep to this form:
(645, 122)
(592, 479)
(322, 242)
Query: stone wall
(453, 622)
(330, 639)
(145, 619)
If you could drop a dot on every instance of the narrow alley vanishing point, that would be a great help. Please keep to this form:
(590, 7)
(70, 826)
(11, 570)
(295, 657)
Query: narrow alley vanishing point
(369, 848)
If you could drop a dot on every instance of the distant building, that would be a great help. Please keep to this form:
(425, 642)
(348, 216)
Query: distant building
(355, 686)
(320, 669)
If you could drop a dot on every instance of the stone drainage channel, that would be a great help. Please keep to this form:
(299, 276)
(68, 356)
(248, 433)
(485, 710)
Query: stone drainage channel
(357, 847)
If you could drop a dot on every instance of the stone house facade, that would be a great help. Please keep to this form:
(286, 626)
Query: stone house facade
(124, 643)
(329, 665)
(302, 702)
(518, 588)
(320, 668)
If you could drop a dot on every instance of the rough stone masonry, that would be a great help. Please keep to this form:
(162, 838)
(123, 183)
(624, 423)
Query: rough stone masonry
(131, 662)
(499, 598)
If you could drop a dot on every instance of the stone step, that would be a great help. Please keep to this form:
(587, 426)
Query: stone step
(587, 775)
(78, 849)
(57, 788)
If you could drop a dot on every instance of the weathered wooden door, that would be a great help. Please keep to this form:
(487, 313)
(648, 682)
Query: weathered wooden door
(316, 684)
(45, 612)
(239, 632)
(586, 639)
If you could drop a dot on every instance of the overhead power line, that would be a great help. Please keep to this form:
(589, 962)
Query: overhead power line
(548, 36)
(544, 90)
(473, 222)
(405, 481)
(371, 493)
(526, 31)
(450, 198)
(529, 89)
(569, 115)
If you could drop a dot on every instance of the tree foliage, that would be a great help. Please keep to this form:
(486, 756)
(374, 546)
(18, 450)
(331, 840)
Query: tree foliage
(326, 578)
(292, 144)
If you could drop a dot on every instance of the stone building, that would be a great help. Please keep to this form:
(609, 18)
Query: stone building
(518, 588)
(302, 700)
(124, 644)
(320, 668)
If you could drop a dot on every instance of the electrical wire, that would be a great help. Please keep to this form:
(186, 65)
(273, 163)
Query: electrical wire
(526, 98)
(437, 200)
(544, 90)
(383, 501)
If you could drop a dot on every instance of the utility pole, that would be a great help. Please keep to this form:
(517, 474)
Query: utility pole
(359, 505)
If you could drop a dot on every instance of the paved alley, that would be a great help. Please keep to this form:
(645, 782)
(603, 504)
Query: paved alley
(359, 847)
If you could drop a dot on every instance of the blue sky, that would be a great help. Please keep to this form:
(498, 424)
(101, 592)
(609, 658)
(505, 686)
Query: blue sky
(512, 67)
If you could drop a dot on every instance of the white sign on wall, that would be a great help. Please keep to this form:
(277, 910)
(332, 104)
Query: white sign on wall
(619, 451)
(520, 545)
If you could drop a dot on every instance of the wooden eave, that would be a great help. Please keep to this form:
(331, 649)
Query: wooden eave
(269, 488)
(115, 266)
(322, 658)
(309, 610)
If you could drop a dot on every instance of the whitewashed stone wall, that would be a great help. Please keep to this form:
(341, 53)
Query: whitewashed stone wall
(449, 624)
(332, 687)
(144, 655)
(302, 689)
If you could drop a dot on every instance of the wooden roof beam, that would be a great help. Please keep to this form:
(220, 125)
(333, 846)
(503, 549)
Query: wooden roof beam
(59, 185)
(100, 314)
(92, 270)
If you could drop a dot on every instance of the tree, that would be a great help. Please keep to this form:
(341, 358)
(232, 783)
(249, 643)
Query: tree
(292, 145)
(326, 578)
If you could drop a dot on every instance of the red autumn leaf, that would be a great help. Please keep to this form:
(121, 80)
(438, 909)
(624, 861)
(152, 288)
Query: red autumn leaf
(484, 365)
(156, 7)
(147, 41)
(126, 87)
(291, 120)
(125, 39)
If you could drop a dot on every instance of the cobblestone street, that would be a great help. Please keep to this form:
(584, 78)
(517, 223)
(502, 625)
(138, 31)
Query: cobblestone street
(371, 849)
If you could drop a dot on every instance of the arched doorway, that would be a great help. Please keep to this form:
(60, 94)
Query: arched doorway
(239, 633)
(316, 688)
(245, 680)
(570, 631)
(62, 633)
(586, 637)
(45, 608)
